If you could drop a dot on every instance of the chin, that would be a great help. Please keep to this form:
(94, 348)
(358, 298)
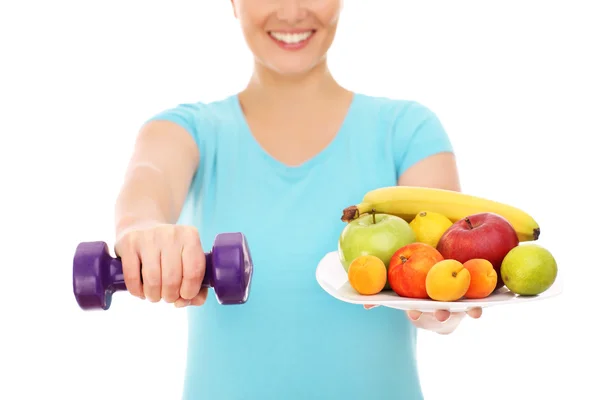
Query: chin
(294, 67)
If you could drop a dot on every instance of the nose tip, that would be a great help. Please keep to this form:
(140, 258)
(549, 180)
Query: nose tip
(291, 11)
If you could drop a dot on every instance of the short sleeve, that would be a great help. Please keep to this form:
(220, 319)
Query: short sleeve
(198, 119)
(418, 133)
(185, 115)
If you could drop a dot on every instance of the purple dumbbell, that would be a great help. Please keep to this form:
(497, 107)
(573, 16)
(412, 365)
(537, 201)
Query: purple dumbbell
(97, 275)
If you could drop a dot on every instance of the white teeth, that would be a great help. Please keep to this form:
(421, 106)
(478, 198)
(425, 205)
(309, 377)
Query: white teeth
(291, 38)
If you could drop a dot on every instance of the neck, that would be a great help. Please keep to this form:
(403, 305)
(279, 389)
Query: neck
(275, 89)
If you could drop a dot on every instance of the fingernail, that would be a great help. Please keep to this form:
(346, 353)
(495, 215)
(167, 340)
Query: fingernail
(414, 315)
(443, 321)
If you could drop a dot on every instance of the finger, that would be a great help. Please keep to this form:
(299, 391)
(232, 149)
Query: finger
(194, 264)
(170, 273)
(130, 261)
(414, 315)
(448, 325)
(475, 312)
(369, 306)
(151, 271)
(442, 315)
(200, 298)
(182, 302)
(430, 322)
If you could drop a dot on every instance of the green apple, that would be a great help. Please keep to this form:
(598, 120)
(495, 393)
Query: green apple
(379, 235)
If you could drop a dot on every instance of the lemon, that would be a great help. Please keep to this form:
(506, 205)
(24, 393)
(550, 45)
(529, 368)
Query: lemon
(430, 226)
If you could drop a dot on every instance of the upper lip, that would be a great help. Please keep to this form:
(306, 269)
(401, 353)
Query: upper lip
(291, 31)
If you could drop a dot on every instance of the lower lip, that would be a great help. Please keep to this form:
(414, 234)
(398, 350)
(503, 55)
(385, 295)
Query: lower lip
(293, 46)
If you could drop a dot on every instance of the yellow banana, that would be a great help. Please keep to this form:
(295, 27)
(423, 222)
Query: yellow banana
(408, 201)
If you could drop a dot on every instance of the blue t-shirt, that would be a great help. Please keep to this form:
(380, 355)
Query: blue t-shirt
(291, 340)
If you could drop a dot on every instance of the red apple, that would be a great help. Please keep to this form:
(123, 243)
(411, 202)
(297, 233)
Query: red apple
(484, 235)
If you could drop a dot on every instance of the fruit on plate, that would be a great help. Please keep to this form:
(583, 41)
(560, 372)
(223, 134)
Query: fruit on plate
(447, 280)
(483, 278)
(407, 201)
(409, 267)
(367, 275)
(379, 235)
(430, 226)
(484, 235)
(529, 270)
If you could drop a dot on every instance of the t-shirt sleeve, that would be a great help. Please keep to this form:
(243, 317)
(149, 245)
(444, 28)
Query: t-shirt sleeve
(418, 133)
(188, 116)
(198, 120)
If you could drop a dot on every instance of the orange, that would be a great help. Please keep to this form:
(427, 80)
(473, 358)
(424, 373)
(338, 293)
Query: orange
(367, 274)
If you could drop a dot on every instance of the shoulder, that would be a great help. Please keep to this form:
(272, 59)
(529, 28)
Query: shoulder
(200, 118)
(401, 120)
(411, 130)
(192, 114)
(396, 111)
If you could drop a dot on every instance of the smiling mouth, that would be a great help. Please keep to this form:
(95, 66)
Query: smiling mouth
(291, 38)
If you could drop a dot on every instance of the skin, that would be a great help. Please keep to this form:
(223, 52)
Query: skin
(287, 89)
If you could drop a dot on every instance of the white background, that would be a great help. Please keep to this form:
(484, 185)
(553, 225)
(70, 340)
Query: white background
(515, 84)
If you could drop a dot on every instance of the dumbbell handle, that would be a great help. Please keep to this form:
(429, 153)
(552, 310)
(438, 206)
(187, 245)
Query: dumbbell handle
(115, 278)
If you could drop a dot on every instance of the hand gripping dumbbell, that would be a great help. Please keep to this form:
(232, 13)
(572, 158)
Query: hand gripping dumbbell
(97, 275)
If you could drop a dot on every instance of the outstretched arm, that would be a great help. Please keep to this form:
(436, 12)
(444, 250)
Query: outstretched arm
(158, 176)
(154, 190)
(436, 171)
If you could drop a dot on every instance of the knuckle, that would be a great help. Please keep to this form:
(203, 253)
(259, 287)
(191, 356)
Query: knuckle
(151, 282)
(129, 262)
(171, 282)
(126, 246)
(190, 235)
(195, 274)
(131, 276)
(148, 238)
(132, 283)
(195, 262)
(131, 239)
(167, 234)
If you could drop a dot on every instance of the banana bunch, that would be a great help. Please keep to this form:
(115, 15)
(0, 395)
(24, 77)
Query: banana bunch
(407, 201)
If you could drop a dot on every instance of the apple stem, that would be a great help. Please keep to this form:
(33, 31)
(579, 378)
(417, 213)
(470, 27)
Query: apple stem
(403, 259)
(373, 213)
(454, 274)
(469, 224)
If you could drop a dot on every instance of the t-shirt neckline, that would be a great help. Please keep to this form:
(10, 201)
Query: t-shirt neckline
(304, 167)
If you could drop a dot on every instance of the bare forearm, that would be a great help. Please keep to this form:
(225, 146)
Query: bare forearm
(145, 198)
(157, 180)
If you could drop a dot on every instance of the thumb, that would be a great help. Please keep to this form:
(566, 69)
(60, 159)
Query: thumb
(200, 298)
(181, 302)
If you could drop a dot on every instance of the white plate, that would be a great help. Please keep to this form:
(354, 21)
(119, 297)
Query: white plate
(333, 279)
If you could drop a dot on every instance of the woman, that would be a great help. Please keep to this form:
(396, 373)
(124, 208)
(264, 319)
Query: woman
(278, 162)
